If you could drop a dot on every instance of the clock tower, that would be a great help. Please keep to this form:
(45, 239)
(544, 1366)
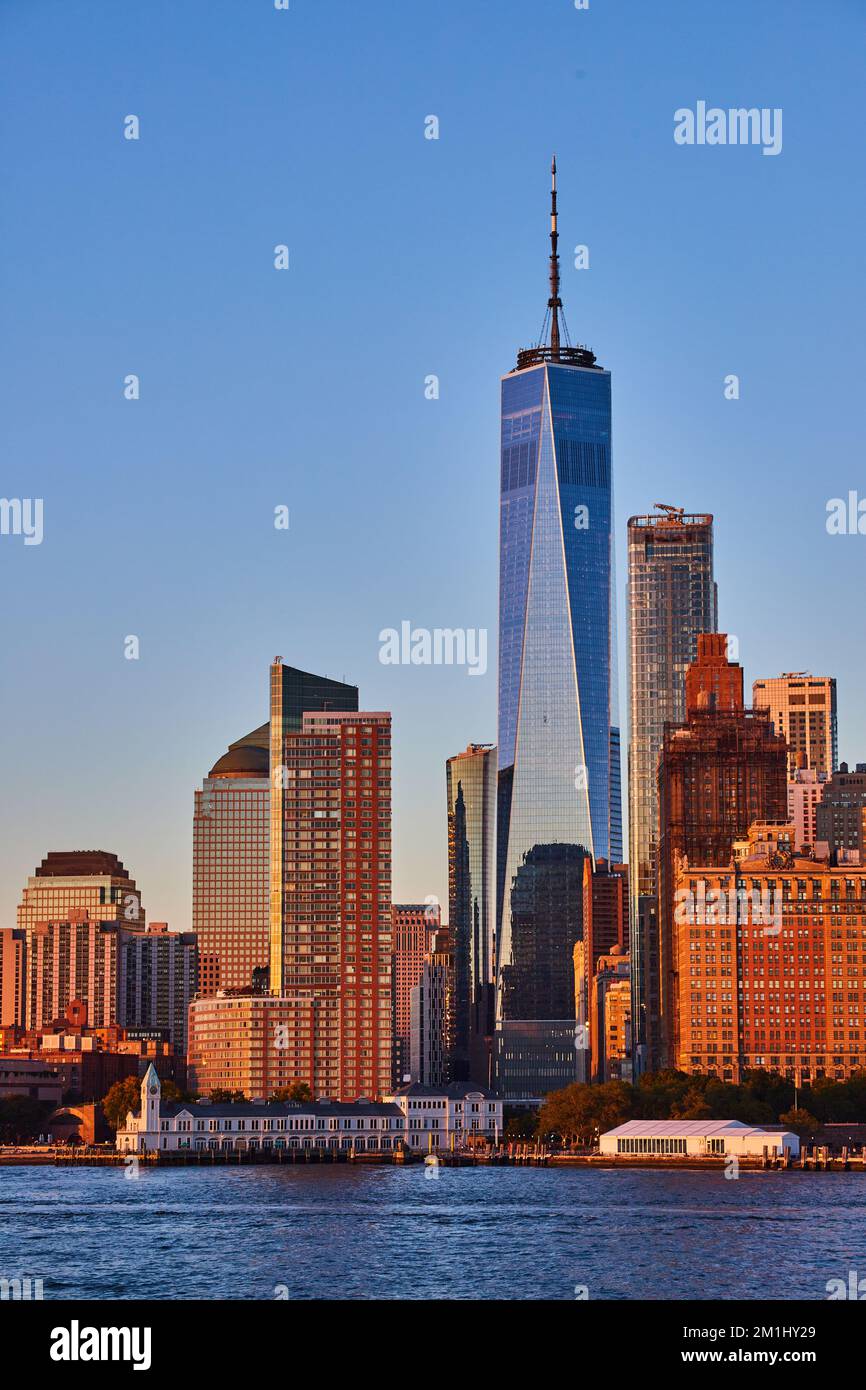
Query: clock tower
(150, 1094)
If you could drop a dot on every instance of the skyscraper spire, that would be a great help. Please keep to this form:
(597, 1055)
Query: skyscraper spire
(554, 349)
(554, 303)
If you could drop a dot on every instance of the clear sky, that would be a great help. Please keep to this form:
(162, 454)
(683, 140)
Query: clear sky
(305, 387)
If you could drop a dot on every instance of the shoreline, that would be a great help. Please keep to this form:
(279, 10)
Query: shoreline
(813, 1163)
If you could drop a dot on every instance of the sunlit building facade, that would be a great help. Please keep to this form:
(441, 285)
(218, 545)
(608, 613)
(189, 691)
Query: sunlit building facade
(803, 710)
(412, 926)
(771, 967)
(66, 904)
(230, 866)
(330, 901)
(721, 770)
(12, 978)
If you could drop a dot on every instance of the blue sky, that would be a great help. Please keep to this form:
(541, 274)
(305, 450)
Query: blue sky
(305, 388)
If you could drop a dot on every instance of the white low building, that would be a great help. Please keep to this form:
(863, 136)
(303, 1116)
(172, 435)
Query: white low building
(418, 1118)
(449, 1117)
(697, 1139)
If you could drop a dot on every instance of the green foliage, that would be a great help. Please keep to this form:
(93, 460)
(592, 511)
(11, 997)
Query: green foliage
(299, 1090)
(800, 1122)
(221, 1097)
(122, 1097)
(581, 1111)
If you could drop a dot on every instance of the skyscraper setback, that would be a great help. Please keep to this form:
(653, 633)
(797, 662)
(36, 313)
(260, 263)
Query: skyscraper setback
(558, 786)
(670, 598)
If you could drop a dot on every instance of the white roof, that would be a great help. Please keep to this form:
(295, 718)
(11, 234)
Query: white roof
(681, 1129)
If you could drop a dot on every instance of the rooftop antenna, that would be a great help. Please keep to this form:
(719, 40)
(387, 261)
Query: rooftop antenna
(554, 303)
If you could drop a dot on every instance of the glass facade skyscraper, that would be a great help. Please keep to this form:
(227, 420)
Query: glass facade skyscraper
(671, 598)
(558, 787)
(230, 866)
(471, 792)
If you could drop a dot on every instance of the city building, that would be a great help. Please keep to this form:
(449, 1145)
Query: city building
(66, 885)
(558, 780)
(76, 958)
(330, 904)
(471, 799)
(803, 710)
(12, 977)
(20, 1076)
(539, 1049)
(672, 1139)
(431, 1014)
(606, 910)
(230, 866)
(805, 790)
(771, 965)
(721, 770)
(605, 930)
(447, 1117)
(610, 1018)
(840, 818)
(240, 1040)
(582, 984)
(87, 1059)
(670, 598)
(160, 981)
(411, 926)
(414, 1117)
(232, 863)
(292, 694)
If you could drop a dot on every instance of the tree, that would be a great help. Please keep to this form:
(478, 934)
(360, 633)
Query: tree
(580, 1111)
(657, 1093)
(222, 1097)
(22, 1118)
(519, 1124)
(299, 1090)
(122, 1097)
(804, 1125)
(125, 1095)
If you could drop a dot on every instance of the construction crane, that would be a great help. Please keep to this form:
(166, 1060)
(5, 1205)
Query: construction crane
(674, 512)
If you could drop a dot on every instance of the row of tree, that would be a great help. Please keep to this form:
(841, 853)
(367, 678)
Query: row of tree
(125, 1096)
(579, 1113)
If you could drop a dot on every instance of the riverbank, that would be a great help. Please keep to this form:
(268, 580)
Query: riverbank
(813, 1159)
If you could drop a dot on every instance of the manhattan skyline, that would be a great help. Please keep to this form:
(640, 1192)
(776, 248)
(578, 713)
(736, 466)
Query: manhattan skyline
(158, 512)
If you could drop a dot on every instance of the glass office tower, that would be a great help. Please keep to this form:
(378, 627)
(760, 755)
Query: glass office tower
(671, 598)
(557, 782)
(471, 794)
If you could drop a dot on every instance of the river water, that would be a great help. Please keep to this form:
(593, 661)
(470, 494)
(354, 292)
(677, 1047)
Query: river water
(348, 1232)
